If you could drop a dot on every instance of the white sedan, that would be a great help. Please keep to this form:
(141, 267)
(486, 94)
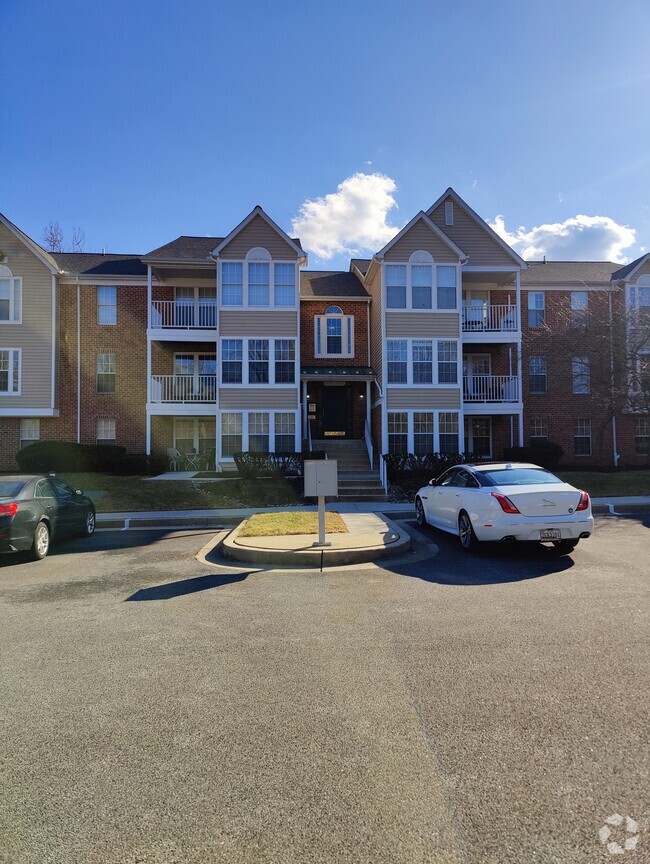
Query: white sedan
(505, 502)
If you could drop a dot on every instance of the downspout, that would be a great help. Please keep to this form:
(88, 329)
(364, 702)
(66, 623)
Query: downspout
(611, 366)
(78, 362)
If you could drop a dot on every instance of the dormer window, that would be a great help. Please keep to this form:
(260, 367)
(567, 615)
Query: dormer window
(258, 281)
(334, 333)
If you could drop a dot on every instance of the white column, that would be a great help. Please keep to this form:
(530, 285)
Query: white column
(368, 407)
(148, 434)
(518, 298)
(149, 300)
(305, 410)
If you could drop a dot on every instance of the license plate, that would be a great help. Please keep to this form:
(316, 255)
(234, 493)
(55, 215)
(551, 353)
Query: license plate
(550, 534)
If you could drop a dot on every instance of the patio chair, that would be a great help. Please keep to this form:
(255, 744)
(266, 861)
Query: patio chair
(175, 458)
(192, 460)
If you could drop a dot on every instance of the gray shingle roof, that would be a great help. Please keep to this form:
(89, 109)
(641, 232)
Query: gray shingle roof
(185, 248)
(330, 283)
(96, 264)
(624, 272)
(361, 264)
(554, 272)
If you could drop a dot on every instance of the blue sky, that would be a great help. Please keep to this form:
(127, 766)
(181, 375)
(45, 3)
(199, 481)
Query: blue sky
(139, 121)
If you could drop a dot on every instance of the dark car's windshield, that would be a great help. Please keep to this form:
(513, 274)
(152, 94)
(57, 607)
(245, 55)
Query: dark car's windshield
(519, 476)
(10, 488)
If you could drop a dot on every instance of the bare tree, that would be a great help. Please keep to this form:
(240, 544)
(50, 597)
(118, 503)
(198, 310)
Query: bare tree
(53, 237)
(78, 239)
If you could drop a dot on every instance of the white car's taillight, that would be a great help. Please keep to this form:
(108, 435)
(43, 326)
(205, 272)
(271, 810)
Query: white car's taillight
(584, 502)
(506, 504)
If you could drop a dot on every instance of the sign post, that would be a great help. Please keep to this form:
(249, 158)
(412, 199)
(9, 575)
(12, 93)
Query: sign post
(321, 479)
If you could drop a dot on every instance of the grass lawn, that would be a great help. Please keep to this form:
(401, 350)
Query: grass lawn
(142, 493)
(282, 524)
(600, 484)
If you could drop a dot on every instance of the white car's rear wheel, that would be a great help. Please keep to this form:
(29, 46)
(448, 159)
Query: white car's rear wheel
(466, 535)
(420, 514)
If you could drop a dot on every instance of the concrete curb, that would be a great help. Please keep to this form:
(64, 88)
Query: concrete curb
(315, 558)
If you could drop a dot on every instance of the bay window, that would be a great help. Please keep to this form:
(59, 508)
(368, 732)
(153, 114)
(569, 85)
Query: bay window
(258, 281)
(410, 286)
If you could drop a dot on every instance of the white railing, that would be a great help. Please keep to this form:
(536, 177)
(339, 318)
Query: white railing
(183, 388)
(368, 438)
(501, 318)
(184, 314)
(490, 388)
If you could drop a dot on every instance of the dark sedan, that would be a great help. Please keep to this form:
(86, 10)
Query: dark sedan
(36, 509)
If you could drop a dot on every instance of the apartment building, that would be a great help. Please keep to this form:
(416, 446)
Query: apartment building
(444, 340)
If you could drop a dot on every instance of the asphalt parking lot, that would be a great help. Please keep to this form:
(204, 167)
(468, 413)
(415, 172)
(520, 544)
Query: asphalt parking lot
(443, 708)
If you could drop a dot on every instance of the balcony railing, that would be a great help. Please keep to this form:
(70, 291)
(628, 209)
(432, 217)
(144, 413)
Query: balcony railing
(183, 388)
(184, 315)
(501, 318)
(490, 388)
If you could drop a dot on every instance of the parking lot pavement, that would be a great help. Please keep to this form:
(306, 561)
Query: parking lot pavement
(452, 708)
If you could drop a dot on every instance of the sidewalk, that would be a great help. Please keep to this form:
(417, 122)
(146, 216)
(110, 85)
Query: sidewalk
(211, 518)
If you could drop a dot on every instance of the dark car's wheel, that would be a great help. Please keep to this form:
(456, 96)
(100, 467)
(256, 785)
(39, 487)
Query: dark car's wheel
(565, 546)
(90, 524)
(41, 545)
(468, 539)
(420, 517)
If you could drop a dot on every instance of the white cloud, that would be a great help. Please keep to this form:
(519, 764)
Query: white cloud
(579, 238)
(349, 221)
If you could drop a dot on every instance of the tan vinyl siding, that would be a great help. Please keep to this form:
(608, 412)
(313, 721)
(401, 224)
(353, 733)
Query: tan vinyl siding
(474, 240)
(420, 237)
(258, 323)
(34, 335)
(258, 233)
(420, 325)
(374, 288)
(430, 398)
(258, 398)
(644, 270)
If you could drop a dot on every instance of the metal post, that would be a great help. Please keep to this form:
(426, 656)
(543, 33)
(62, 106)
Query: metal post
(321, 520)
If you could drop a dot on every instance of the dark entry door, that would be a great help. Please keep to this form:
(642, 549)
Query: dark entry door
(335, 412)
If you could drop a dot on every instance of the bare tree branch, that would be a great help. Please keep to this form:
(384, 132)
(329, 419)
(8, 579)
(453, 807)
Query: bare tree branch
(53, 237)
(78, 239)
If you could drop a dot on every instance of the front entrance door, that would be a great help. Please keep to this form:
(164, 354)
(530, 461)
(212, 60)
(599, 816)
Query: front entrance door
(336, 418)
(478, 436)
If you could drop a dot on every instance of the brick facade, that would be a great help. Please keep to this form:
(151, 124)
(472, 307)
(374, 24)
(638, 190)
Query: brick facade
(309, 309)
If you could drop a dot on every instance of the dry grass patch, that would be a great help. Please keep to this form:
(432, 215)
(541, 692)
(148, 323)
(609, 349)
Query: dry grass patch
(284, 524)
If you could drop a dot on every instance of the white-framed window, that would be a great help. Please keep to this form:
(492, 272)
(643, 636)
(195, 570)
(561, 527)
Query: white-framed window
(232, 283)
(411, 286)
(285, 432)
(258, 282)
(642, 436)
(418, 362)
(106, 304)
(195, 434)
(579, 308)
(538, 429)
(580, 375)
(231, 433)
(30, 431)
(106, 373)
(10, 371)
(106, 430)
(258, 431)
(423, 432)
(582, 438)
(334, 333)
(537, 374)
(536, 309)
(268, 361)
(11, 294)
(195, 306)
(640, 293)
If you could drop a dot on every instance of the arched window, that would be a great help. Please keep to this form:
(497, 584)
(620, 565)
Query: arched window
(334, 310)
(258, 262)
(259, 281)
(640, 294)
(11, 289)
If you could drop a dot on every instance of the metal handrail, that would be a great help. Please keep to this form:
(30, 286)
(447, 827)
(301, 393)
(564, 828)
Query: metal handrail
(368, 439)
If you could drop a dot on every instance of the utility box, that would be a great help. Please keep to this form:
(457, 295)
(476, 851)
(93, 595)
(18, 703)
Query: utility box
(321, 477)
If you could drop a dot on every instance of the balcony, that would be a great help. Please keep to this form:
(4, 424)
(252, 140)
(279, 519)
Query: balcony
(491, 389)
(183, 389)
(486, 318)
(198, 314)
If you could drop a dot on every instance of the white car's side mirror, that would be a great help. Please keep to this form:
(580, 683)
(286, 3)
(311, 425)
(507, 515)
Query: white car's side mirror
(432, 482)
